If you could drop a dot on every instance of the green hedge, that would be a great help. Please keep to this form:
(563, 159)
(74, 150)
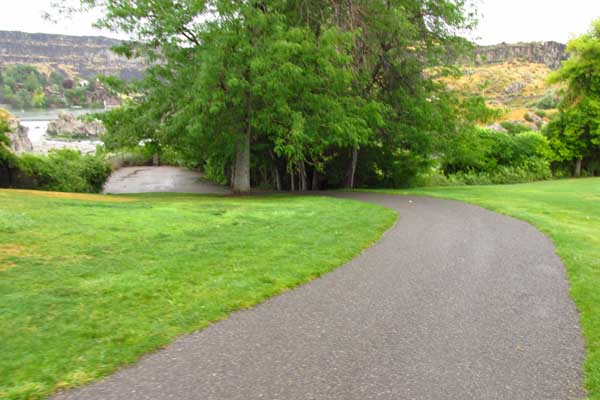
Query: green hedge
(480, 157)
(60, 171)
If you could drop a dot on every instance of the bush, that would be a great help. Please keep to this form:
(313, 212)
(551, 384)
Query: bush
(128, 158)
(214, 170)
(65, 171)
(434, 178)
(514, 127)
(550, 101)
(485, 157)
(529, 171)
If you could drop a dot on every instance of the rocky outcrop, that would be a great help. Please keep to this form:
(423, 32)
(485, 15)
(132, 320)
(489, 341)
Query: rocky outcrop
(552, 54)
(496, 128)
(19, 141)
(17, 134)
(86, 56)
(70, 126)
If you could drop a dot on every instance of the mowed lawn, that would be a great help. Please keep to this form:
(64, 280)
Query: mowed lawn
(568, 211)
(89, 283)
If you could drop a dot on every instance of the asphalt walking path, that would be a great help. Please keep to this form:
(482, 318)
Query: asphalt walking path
(455, 302)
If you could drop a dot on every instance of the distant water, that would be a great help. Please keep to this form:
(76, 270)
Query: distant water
(36, 121)
(49, 115)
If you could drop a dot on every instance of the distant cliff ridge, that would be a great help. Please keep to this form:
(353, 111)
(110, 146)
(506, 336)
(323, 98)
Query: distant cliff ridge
(88, 56)
(549, 53)
(85, 56)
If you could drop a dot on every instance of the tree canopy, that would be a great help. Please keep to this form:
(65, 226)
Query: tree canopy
(575, 133)
(294, 94)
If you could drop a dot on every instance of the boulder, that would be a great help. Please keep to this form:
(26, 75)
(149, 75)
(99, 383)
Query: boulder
(19, 140)
(68, 125)
(514, 88)
(496, 128)
(17, 134)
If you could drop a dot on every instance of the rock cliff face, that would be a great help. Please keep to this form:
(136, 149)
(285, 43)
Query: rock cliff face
(549, 53)
(85, 56)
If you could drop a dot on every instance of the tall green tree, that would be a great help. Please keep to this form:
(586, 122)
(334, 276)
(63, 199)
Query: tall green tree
(575, 133)
(298, 85)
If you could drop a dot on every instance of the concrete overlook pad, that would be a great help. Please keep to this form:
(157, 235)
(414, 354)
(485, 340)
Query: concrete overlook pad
(455, 302)
(159, 179)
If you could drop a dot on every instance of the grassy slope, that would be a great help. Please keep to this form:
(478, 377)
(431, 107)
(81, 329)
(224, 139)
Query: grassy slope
(569, 212)
(491, 80)
(89, 283)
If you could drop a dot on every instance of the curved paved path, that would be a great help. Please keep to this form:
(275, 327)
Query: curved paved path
(454, 302)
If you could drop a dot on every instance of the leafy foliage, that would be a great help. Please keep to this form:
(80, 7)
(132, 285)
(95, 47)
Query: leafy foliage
(66, 171)
(302, 89)
(23, 86)
(575, 133)
(480, 156)
(515, 127)
(551, 100)
(9, 161)
(61, 170)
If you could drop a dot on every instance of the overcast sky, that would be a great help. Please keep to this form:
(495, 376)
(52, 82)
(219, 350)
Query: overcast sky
(500, 20)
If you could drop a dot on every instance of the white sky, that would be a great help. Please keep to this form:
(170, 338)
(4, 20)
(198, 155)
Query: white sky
(500, 20)
(513, 21)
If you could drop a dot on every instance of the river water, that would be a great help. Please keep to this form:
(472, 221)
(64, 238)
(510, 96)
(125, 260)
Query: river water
(36, 122)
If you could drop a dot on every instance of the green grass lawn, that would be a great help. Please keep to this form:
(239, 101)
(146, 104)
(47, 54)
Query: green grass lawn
(89, 283)
(568, 211)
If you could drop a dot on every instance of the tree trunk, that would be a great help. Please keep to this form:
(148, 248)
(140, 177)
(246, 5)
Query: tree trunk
(577, 171)
(315, 180)
(264, 175)
(241, 170)
(9, 180)
(352, 169)
(276, 178)
(293, 183)
(302, 177)
(155, 159)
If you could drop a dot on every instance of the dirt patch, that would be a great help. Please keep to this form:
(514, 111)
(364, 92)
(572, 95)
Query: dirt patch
(73, 196)
(9, 250)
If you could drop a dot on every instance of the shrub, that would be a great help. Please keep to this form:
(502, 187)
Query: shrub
(515, 127)
(548, 102)
(65, 171)
(486, 157)
(135, 156)
(214, 170)
(528, 171)
(434, 178)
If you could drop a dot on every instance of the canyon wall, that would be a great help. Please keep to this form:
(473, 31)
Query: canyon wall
(549, 53)
(84, 56)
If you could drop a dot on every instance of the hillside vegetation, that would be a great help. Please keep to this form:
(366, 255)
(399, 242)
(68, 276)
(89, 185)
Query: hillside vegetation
(514, 84)
(27, 86)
